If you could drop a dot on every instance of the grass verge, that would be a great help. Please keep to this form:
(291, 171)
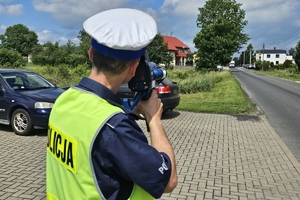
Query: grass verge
(227, 97)
(286, 74)
(214, 92)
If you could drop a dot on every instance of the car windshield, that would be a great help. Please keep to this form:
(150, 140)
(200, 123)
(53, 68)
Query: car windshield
(25, 81)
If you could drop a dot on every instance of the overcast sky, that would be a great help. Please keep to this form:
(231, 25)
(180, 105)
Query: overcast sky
(273, 22)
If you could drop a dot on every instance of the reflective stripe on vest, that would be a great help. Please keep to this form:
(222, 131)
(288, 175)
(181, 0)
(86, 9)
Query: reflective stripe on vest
(73, 126)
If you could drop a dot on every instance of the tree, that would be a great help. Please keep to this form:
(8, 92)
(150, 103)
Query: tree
(68, 54)
(46, 54)
(82, 35)
(19, 38)
(249, 52)
(54, 55)
(158, 51)
(297, 55)
(292, 52)
(85, 43)
(222, 23)
(236, 61)
(71, 55)
(241, 59)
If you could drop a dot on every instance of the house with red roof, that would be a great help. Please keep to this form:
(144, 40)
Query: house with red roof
(177, 49)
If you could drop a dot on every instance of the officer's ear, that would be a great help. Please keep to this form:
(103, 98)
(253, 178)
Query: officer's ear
(91, 52)
(133, 67)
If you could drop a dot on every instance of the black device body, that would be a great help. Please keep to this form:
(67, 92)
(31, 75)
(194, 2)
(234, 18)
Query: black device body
(142, 81)
(147, 76)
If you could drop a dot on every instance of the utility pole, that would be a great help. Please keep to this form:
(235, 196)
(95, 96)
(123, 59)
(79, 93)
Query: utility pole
(244, 58)
(263, 51)
(250, 56)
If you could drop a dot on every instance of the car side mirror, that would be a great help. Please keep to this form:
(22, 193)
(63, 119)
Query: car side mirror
(2, 90)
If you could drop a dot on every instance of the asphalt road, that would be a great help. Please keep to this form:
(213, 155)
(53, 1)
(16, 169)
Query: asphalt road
(279, 99)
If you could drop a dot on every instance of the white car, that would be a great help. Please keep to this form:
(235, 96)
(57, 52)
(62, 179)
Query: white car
(219, 67)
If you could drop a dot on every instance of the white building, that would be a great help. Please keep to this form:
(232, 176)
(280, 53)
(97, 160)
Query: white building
(277, 56)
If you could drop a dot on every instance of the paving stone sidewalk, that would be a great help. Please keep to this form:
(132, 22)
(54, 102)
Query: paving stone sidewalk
(218, 157)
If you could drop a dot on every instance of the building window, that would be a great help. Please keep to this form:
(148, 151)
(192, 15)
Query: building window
(268, 55)
(277, 55)
(277, 62)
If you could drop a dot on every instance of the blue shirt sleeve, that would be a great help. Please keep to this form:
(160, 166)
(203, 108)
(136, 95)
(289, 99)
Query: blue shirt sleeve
(124, 150)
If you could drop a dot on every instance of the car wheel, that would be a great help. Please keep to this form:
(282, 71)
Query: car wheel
(21, 122)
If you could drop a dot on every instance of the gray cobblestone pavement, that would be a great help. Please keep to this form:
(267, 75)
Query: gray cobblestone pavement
(218, 157)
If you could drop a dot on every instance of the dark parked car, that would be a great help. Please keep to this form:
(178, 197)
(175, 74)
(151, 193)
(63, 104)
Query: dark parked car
(251, 66)
(168, 92)
(26, 99)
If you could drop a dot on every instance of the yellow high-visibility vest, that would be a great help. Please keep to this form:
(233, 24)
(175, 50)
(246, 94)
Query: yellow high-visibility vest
(73, 126)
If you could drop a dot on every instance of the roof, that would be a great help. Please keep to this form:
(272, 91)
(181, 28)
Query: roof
(274, 51)
(174, 44)
(180, 54)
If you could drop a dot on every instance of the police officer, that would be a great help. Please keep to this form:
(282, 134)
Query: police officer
(95, 148)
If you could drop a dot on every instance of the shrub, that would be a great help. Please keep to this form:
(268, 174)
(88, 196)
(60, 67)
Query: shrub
(293, 71)
(11, 59)
(192, 85)
(287, 64)
(63, 71)
(190, 81)
(180, 74)
(169, 66)
(49, 69)
(81, 70)
(278, 66)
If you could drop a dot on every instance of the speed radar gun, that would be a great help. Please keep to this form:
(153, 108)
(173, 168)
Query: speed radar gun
(147, 76)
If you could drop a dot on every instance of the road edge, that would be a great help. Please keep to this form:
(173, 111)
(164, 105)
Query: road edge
(281, 143)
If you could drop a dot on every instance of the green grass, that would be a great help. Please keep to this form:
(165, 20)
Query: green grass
(213, 92)
(286, 74)
(227, 97)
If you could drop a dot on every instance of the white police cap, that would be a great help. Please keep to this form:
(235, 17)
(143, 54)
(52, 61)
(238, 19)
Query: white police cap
(121, 33)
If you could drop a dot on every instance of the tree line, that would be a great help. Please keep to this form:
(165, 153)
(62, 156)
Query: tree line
(220, 23)
(221, 33)
(18, 42)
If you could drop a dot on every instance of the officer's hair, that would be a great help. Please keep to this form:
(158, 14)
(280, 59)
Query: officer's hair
(109, 65)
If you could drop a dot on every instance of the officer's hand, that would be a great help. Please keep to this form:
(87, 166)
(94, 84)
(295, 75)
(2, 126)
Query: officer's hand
(150, 108)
